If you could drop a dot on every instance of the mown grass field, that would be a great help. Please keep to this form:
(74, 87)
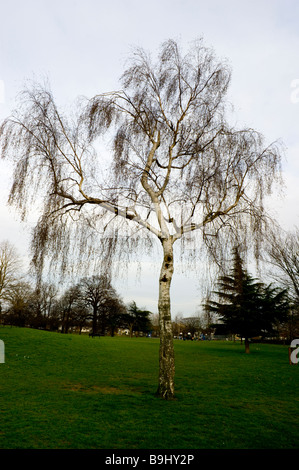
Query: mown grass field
(74, 392)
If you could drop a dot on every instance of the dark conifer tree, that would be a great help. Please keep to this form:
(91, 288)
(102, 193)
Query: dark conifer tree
(245, 305)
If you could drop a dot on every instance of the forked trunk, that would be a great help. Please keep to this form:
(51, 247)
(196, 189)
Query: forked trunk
(166, 353)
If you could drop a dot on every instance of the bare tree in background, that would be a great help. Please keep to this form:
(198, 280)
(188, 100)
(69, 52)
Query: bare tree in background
(45, 296)
(97, 293)
(172, 165)
(10, 266)
(19, 308)
(283, 254)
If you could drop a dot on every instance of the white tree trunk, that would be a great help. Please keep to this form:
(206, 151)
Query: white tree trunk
(166, 353)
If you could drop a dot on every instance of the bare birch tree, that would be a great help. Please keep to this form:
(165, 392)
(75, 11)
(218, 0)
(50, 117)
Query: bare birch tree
(283, 255)
(10, 266)
(172, 166)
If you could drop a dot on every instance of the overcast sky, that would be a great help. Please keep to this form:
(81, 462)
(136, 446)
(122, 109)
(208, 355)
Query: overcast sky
(82, 46)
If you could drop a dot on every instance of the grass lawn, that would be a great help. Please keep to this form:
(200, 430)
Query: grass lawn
(75, 392)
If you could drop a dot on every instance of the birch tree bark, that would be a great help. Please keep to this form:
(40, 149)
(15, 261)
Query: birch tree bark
(166, 352)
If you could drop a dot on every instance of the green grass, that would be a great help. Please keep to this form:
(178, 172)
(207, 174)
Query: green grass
(74, 392)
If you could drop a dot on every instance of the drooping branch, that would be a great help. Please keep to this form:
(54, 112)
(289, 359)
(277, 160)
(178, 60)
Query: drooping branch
(175, 165)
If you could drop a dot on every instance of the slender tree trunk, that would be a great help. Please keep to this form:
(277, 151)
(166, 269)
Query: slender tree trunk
(166, 353)
(95, 320)
(247, 346)
(102, 318)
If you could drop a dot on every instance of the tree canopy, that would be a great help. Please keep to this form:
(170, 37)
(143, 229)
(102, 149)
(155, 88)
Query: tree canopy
(10, 265)
(174, 163)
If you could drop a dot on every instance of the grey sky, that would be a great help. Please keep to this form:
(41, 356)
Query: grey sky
(82, 46)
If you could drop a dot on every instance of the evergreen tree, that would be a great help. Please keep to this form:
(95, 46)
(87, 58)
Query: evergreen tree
(137, 319)
(245, 305)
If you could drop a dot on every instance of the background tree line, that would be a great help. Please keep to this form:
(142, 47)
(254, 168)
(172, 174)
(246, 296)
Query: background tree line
(240, 304)
(92, 303)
